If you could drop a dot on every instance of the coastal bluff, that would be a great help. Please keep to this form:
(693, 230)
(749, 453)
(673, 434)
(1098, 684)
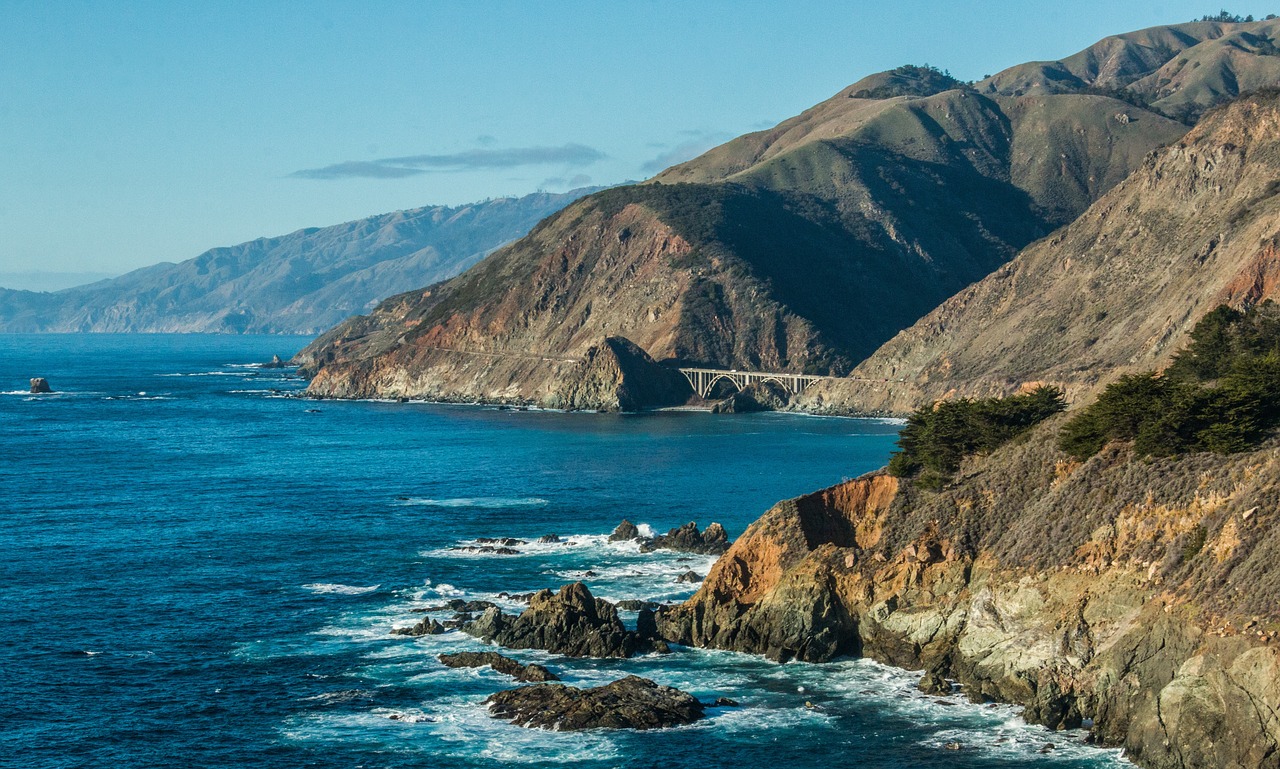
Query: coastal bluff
(1135, 596)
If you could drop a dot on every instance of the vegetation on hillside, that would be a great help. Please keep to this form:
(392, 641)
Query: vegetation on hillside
(937, 438)
(1220, 394)
(1230, 18)
(912, 80)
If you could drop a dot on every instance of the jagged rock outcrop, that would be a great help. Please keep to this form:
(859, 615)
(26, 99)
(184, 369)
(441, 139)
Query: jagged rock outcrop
(572, 622)
(616, 375)
(40, 385)
(684, 539)
(1118, 290)
(1136, 593)
(532, 673)
(688, 539)
(625, 532)
(427, 626)
(628, 703)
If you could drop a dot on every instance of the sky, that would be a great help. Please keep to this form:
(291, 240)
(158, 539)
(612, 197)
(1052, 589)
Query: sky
(138, 132)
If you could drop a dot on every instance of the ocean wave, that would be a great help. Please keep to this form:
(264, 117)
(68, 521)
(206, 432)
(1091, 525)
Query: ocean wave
(452, 727)
(483, 502)
(326, 588)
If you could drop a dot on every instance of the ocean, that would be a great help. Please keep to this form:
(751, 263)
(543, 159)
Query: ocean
(201, 570)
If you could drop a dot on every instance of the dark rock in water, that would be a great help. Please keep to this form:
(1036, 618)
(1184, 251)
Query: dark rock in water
(629, 703)
(635, 604)
(505, 665)
(687, 539)
(571, 622)
(40, 385)
(427, 626)
(625, 532)
(689, 577)
(933, 682)
(724, 702)
(504, 541)
(489, 549)
(590, 573)
(550, 539)
(275, 363)
(459, 605)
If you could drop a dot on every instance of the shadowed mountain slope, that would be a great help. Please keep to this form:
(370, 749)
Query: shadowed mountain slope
(1115, 291)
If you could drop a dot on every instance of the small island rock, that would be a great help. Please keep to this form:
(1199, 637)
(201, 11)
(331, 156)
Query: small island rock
(628, 703)
(530, 673)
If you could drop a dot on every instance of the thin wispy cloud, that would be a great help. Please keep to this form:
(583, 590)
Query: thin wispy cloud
(568, 155)
(577, 180)
(697, 143)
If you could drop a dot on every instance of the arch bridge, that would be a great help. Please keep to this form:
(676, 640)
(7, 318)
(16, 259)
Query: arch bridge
(703, 379)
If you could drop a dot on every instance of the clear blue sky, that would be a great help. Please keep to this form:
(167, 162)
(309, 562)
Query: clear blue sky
(132, 132)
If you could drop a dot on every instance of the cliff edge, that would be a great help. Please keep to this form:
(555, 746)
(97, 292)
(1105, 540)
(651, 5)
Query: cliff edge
(1133, 595)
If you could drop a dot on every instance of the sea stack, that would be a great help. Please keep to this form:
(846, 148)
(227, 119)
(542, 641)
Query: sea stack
(40, 385)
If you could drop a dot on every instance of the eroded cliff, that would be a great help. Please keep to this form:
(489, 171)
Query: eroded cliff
(1136, 595)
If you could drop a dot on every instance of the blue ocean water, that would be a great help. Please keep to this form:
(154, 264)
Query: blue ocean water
(199, 571)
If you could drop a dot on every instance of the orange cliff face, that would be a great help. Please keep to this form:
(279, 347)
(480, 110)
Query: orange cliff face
(1066, 587)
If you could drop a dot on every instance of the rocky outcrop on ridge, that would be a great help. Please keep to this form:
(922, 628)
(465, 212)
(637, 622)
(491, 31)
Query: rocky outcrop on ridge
(628, 703)
(1135, 593)
(572, 622)
(532, 673)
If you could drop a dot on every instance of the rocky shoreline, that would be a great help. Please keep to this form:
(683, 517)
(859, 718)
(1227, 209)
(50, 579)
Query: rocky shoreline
(1113, 622)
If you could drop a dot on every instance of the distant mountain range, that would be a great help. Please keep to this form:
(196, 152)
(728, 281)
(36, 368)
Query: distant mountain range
(807, 246)
(301, 283)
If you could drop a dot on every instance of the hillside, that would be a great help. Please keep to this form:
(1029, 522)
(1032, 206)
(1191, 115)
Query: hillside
(802, 248)
(1117, 290)
(301, 283)
(1179, 70)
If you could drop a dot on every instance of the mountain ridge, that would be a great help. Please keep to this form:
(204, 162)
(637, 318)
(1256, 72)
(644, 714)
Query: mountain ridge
(302, 282)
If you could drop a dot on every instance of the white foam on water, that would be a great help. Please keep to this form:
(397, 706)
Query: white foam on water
(452, 727)
(326, 588)
(481, 502)
(204, 373)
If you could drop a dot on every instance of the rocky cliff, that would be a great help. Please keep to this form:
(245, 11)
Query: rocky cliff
(301, 283)
(1197, 225)
(1135, 596)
